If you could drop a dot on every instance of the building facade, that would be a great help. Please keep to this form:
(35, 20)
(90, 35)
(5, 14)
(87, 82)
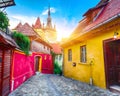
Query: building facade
(47, 32)
(37, 43)
(92, 52)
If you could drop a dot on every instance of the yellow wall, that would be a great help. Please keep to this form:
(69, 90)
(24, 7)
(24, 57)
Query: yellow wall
(83, 72)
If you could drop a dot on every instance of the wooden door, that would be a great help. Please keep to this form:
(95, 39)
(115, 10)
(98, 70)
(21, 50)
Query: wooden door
(37, 59)
(5, 62)
(112, 62)
(1, 52)
(6, 73)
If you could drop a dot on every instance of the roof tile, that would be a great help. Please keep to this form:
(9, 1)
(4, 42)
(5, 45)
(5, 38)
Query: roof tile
(110, 10)
(37, 24)
(56, 48)
(26, 29)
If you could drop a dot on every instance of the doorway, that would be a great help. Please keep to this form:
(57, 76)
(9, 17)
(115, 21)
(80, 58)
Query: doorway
(5, 64)
(37, 63)
(112, 62)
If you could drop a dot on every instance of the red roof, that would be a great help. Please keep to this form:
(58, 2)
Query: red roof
(100, 4)
(56, 48)
(7, 40)
(110, 10)
(18, 26)
(37, 24)
(26, 29)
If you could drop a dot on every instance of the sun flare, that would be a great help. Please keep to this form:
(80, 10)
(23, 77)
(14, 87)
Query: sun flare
(61, 35)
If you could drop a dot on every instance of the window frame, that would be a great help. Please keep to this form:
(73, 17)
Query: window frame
(83, 54)
(69, 55)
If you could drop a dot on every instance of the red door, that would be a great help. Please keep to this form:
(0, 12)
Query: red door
(112, 62)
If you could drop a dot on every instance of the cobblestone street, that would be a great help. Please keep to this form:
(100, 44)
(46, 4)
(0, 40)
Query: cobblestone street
(54, 85)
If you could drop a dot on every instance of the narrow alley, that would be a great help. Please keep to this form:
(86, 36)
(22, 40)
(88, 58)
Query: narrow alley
(54, 85)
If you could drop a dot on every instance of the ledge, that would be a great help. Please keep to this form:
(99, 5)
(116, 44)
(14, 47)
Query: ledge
(83, 63)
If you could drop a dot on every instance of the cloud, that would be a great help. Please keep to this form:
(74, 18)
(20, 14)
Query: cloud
(52, 10)
(15, 19)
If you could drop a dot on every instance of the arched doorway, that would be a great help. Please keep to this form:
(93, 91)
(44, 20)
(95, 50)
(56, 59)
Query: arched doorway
(37, 64)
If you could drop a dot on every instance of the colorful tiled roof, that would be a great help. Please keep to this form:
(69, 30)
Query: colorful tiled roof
(37, 24)
(26, 29)
(56, 48)
(100, 4)
(110, 10)
(18, 26)
(7, 40)
(105, 14)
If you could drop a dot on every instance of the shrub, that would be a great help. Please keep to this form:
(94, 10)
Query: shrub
(4, 21)
(22, 41)
(57, 69)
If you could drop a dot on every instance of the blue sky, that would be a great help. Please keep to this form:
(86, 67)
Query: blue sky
(65, 13)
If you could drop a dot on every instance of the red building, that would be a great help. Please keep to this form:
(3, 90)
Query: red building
(7, 45)
(39, 47)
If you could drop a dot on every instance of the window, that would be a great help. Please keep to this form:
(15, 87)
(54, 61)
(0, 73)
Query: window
(97, 14)
(83, 54)
(69, 55)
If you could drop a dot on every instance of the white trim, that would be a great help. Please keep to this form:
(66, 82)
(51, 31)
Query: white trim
(12, 85)
(98, 14)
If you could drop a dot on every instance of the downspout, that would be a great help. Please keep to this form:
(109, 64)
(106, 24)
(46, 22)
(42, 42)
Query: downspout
(91, 78)
(12, 71)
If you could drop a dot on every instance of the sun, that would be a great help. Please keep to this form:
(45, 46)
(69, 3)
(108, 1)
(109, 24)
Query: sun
(62, 34)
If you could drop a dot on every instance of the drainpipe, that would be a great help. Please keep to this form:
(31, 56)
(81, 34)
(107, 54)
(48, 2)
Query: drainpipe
(91, 81)
(91, 78)
(12, 85)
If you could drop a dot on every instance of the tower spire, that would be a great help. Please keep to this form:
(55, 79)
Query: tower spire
(49, 20)
(49, 10)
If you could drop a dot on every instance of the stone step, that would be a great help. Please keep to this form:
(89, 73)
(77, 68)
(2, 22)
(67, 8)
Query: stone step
(115, 89)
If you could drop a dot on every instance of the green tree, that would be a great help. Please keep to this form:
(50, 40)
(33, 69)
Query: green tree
(4, 21)
(22, 41)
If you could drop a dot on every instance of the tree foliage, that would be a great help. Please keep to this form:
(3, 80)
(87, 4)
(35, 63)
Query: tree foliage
(4, 21)
(22, 41)
(57, 69)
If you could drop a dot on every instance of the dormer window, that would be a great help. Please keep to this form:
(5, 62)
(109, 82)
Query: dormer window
(96, 16)
(93, 13)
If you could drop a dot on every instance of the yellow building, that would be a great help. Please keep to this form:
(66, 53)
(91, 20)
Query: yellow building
(92, 52)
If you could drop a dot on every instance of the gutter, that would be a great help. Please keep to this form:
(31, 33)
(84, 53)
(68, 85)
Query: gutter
(107, 21)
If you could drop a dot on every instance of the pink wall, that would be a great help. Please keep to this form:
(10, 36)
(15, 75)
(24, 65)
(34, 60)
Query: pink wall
(47, 64)
(22, 69)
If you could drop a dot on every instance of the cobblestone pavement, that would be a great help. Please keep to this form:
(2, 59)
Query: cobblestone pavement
(54, 85)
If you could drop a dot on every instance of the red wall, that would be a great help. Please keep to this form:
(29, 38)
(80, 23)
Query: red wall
(47, 64)
(23, 67)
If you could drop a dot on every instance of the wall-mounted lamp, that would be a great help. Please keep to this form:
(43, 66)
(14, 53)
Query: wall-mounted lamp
(74, 64)
(116, 34)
